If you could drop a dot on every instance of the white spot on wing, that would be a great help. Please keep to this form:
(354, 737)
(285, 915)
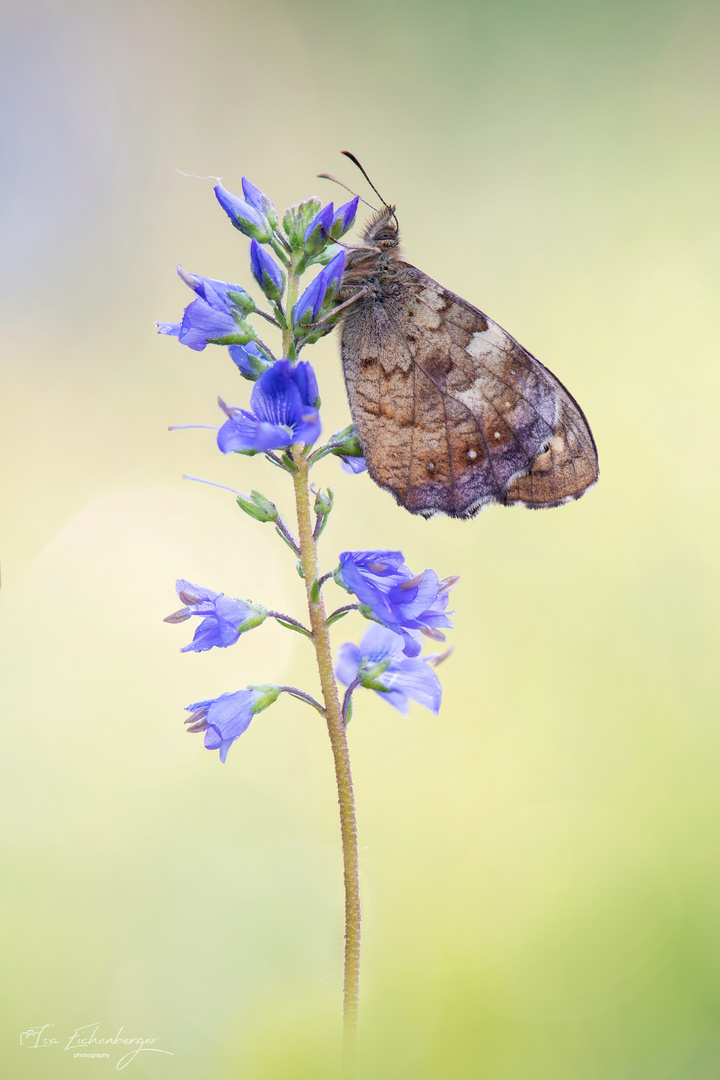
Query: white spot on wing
(494, 339)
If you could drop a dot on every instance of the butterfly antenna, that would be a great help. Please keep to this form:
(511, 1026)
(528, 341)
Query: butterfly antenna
(327, 176)
(356, 162)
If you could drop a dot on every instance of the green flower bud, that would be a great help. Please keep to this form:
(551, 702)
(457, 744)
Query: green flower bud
(346, 443)
(297, 218)
(258, 507)
(323, 503)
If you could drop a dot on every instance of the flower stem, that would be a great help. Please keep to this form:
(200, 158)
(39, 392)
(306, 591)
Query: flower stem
(341, 756)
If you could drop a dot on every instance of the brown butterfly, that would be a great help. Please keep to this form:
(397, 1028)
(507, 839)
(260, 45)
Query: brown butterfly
(452, 413)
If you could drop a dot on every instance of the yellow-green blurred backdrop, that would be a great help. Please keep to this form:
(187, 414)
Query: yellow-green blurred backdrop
(540, 862)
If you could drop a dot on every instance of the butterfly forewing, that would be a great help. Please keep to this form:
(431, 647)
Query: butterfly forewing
(451, 411)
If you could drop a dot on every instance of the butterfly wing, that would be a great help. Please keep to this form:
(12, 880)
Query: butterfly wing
(451, 411)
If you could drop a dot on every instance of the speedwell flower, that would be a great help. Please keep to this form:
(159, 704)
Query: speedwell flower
(344, 218)
(244, 216)
(320, 292)
(225, 718)
(318, 231)
(353, 464)
(259, 201)
(266, 272)
(311, 300)
(379, 663)
(401, 601)
(224, 619)
(284, 411)
(217, 317)
(249, 360)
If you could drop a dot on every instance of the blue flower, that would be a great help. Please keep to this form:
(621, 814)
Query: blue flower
(216, 317)
(266, 272)
(344, 218)
(318, 231)
(201, 325)
(247, 218)
(403, 679)
(259, 201)
(320, 292)
(284, 411)
(399, 600)
(250, 361)
(353, 464)
(219, 294)
(333, 275)
(223, 719)
(311, 300)
(224, 619)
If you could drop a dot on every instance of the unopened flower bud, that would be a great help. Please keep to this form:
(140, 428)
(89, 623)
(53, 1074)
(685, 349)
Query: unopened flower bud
(310, 302)
(297, 218)
(258, 507)
(260, 202)
(323, 503)
(317, 233)
(249, 360)
(347, 443)
(244, 217)
(266, 272)
(344, 218)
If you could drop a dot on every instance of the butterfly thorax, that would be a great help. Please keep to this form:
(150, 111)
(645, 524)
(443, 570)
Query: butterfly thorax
(372, 264)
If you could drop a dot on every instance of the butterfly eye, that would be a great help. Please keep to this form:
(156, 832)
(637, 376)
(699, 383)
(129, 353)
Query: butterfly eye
(385, 235)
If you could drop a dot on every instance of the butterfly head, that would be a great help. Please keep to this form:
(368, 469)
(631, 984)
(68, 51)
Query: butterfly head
(382, 231)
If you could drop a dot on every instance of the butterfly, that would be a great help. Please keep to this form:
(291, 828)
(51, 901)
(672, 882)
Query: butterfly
(452, 413)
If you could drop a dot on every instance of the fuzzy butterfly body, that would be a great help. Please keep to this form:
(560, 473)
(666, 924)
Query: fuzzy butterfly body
(451, 411)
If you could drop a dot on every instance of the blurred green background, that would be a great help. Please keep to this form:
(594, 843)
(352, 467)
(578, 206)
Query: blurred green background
(540, 862)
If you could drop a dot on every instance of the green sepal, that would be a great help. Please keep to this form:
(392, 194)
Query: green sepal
(338, 579)
(289, 464)
(270, 288)
(270, 694)
(346, 443)
(367, 613)
(319, 332)
(369, 677)
(242, 336)
(255, 620)
(244, 301)
(327, 255)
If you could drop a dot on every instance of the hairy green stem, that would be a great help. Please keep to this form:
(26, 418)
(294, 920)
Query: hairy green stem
(338, 741)
(335, 725)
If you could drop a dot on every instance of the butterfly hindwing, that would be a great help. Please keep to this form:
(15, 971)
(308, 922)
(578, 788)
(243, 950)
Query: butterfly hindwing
(451, 411)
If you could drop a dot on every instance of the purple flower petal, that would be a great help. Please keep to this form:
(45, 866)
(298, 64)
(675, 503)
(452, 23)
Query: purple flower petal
(404, 679)
(203, 325)
(223, 616)
(402, 602)
(225, 718)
